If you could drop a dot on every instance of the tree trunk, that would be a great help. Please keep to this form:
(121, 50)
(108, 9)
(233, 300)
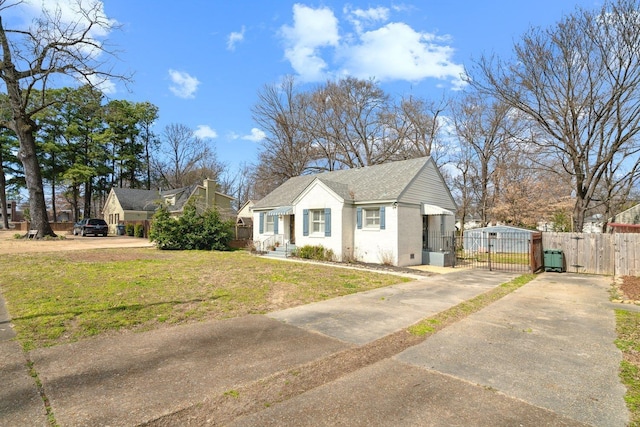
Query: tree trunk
(53, 196)
(33, 176)
(578, 214)
(3, 196)
(88, 196)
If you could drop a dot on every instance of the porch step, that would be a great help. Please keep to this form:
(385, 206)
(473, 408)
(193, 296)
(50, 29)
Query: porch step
(281, 252)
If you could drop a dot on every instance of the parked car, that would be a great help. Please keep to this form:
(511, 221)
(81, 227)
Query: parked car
(95, 226)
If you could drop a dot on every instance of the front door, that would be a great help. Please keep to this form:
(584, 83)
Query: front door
(292, 229)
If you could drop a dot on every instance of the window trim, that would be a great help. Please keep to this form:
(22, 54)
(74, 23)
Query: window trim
(321, 222)
(361, 218)
(371, 223)
(269, 224)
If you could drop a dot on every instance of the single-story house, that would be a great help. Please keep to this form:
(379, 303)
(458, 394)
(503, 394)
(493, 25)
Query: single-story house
(134, 205)
(394, 213)
(498, 238)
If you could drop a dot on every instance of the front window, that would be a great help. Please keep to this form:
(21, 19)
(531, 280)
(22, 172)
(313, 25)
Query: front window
(268, 223)
(372, 218)
(317, 221)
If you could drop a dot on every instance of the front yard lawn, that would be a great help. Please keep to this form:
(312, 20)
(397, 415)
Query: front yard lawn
(61, 297)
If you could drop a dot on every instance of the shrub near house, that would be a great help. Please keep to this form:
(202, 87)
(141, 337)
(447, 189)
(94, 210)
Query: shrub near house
(205, 231)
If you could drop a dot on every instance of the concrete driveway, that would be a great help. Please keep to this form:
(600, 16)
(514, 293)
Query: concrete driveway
(543, 355)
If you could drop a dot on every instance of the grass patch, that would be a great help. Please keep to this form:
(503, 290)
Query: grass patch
(66, 296)
(437, 322)
(628, 330)
(502, 258)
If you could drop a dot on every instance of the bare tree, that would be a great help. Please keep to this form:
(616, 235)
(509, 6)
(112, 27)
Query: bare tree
(354, 110)
(30, 59)
(579, 81)
(285, 150)
(482, 128)
(419, 125)
(186, 159)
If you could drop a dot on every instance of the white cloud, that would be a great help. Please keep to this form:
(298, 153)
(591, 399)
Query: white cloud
(398, 52)
(375, 48)
(103, 84)
(205, 132)
(71, 12)
(235, 38)
(256, 135)
(360, 18)
(312, 30)
(184, 85)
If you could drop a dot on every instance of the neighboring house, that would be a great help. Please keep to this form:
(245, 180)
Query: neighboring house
(470, 221)
(593, 224)
(244, 221)
(11, 212)
(131, 205)
(626, 221)
(386, 214)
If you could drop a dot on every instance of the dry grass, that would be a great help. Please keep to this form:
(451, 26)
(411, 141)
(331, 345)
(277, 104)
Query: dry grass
(65, 296)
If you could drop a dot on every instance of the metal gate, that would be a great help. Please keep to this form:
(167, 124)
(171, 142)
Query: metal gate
(499, 252)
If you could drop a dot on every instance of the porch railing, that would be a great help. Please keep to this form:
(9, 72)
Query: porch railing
(269, 242)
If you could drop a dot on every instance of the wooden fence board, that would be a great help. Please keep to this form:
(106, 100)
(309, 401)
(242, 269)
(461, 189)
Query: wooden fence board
(597, 253)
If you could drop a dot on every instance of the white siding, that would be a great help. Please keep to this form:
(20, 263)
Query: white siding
(374, 245)
(428, 187)
(319, 197)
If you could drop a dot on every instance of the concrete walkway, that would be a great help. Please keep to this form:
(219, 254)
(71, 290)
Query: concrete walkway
(543, 355)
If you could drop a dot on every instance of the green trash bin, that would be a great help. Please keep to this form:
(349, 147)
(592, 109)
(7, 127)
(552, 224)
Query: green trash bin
(553, 260)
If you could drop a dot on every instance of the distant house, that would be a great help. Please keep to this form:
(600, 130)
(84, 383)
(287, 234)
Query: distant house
(593, 224)
(627, 221)
(394, 213)
(134, 205)
(11, 212)
(244, 221)
(470, 221)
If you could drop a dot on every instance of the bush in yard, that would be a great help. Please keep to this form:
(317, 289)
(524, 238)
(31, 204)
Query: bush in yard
(138, 230)
(206, 231)
(129, 229)
(319, 253)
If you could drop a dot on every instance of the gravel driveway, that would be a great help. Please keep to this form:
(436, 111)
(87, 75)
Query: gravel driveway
(10, 245)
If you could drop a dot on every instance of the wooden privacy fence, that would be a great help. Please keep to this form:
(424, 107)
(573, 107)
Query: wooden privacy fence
(596, 253)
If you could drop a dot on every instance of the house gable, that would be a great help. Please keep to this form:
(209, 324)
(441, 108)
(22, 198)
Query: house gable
(327, 186)
(428, 186)
(629, 216)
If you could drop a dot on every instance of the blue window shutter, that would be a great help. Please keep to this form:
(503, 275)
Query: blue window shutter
(275, 225)
(359, 218)
(261, 222)
(382, 219)
(327, 222)
(305, 222)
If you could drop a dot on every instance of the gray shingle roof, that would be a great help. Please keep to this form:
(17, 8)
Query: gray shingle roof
(371, 183)
(148, 200)
(182, 196)
(137, 200)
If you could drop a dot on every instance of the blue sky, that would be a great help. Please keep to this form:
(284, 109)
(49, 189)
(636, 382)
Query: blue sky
(202, 62)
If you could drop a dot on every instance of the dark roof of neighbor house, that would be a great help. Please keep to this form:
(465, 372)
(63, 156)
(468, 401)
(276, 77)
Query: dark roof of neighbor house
(132, 199)
(137, 200)
(182, 196)
(390, 179)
